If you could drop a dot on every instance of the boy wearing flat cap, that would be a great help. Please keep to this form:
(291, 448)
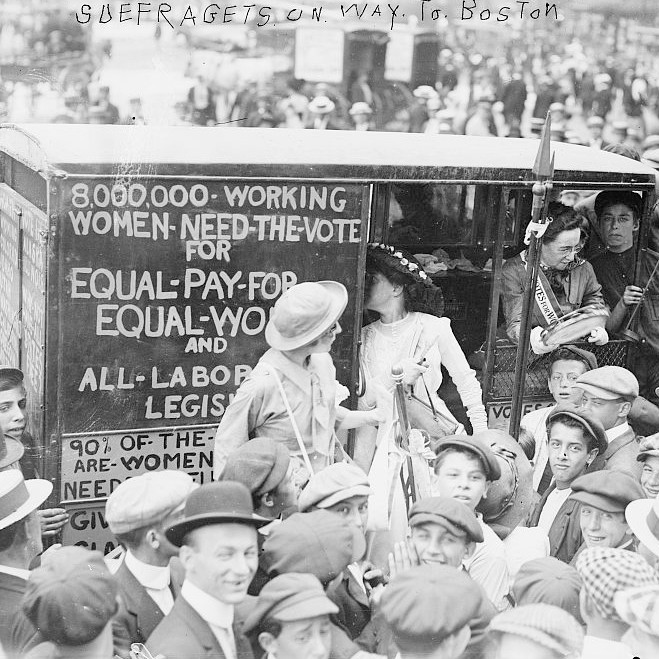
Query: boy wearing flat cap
(566, 364)
(608, 394)
(428, 609)
(575, 439)
(444, 531)
(603, 496)
(138, 513)
(536, 631)
(343, 489)
(219, 551)
(291, 618)
(604, 572)
(464, 468)
(323, 544)
(648, 456)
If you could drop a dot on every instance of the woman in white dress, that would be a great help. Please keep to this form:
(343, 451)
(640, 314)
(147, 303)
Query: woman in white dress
(400, 291)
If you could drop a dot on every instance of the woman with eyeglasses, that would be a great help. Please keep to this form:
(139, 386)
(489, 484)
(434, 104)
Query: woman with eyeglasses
(292, 395)
(565, 281)
(411, 333)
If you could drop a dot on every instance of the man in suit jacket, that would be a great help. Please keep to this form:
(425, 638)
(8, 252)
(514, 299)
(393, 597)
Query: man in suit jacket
(608, 394)
(138, 512)
(574, 440)
(219, 552)
(20, 543)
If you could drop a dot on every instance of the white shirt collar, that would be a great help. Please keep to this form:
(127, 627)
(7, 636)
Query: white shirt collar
(616, 431)
(208, 607)
(600, 648)
(150, 576)
(15, 571)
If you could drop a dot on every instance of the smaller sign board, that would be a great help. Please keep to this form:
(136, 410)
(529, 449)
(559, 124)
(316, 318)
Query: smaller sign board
(319, 55)
(399, 57)
(498, 414)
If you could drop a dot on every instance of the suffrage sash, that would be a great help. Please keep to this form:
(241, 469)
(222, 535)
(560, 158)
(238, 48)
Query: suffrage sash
(545, 300)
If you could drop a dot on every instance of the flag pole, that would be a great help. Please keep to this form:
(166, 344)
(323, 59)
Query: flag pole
(543, 168)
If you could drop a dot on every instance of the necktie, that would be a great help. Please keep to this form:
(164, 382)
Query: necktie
(545, 480)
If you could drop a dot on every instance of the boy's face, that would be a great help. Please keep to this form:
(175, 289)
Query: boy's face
(354, 510)
(602, 529)
(568, 452)
(562, 379)
(435, 544)
(310, 638)
(460, 476)
(12, 412)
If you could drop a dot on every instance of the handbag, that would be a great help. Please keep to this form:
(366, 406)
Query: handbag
(426, 417)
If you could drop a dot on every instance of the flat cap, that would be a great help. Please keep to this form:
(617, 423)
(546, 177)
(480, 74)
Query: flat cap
(289, 597)
(548, 581)
(649, 447)
(608, 490)
(335, 483)
(147, 499)
(569, 351)
(453, 515)
(260, 464)
(639, 607)
(609, 383)
(426, 604)
(319, 543)
(475, 445)
(610, 197)
(605, 571)
(591, 425)
(547, 625)
(71, 597)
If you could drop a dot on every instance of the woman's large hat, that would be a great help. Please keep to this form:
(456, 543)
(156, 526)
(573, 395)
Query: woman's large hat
(304, 313)
(224, 502)
(18, 497)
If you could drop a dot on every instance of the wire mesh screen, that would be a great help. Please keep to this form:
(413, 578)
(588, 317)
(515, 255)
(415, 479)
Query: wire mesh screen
(613, 353)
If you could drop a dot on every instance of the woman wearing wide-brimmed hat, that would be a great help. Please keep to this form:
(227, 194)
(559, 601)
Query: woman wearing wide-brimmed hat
(291, 395)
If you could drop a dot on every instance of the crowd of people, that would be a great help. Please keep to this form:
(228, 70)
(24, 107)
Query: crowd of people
(441, 541)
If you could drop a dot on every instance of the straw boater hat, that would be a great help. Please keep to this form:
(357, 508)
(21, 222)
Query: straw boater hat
(304, 313)
(18, 497)
(360, 108)
(321, 105)
(642, 516)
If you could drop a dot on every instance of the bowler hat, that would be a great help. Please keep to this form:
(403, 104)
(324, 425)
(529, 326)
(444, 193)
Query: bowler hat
(607, 490)
(610, 197)
(260, 464)
(304, 313)
(475, 445)
(18, 497)
(222, 502)
(590, 424)
(72, 597)
(453, 515)
(289, 597)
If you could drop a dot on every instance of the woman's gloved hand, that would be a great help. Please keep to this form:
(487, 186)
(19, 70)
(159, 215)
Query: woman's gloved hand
(538, 346)
(598, 336)
(412, 370)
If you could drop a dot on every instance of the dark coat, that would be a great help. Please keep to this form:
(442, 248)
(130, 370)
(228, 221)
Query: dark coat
(184, 634)
(138, 614)
(620, 455)
(565, 533)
